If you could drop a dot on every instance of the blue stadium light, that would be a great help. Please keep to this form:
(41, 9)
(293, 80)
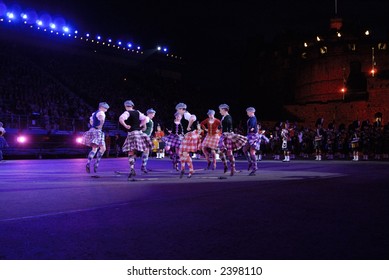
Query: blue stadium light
(53, 26)
(98, 37)
(138, 47)
(10, 15)
(87, 35)
(109, 40)
(32, 16)
(119, 43)
(46, 19)
(39, 22)
(159, 48)
(129, 45)
(165, 49)
(66, 29)
(24, 16)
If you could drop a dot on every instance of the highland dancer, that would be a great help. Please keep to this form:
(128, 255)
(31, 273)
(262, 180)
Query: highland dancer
(190, 143)
(253, 143)
(211, 126)
(229, 141)
(173, 140)
(286, 141)
(136, 142)
(148, 130)
(188, 119)
(94, 137)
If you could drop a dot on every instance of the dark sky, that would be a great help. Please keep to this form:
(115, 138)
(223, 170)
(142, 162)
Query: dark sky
(206, 26)
(211, 36)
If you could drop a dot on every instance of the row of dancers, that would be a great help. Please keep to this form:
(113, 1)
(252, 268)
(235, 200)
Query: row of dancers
(186, 136)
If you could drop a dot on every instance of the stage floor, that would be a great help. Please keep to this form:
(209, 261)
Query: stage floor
(304, 209)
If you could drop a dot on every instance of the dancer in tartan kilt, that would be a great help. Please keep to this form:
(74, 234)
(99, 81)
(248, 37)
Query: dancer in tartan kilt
(188, 119)
(94, 137)
(229, 141)
(148, 130)
(136, 142)
(190, 143)
(173, 140)
(253, 141)
(210, 143)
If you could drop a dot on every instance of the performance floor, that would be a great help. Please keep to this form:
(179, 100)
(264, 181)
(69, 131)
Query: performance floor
(302, 210)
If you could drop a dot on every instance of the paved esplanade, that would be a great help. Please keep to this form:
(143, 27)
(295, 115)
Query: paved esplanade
(52, 209)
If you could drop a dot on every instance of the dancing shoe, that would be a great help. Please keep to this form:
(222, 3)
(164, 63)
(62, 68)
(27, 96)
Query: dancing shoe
(132, 174)
(190, 174)
(182, 173)
(87, 167)
(144, 170)
(252, 173)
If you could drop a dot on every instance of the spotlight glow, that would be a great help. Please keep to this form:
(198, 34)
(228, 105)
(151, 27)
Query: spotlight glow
(79, 140)
(10, 15)
(21, 139)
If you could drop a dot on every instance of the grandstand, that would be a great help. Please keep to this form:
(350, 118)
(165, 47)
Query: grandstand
(50, 84)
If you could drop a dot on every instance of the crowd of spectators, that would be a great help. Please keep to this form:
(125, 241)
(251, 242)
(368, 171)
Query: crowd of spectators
(58, 89)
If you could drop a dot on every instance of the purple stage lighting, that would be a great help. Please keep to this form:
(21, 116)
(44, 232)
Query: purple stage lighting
(21, 139)
(79, 140)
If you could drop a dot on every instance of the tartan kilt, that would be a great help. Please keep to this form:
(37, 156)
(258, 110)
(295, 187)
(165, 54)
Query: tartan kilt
(317, 144)
(354, 144)
(172, 140)
(230, 141)
(93, 136)
(137, 141)
(191, 142)
(211, 141)
(254, 140)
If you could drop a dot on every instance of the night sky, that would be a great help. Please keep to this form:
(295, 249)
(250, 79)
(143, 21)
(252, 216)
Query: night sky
(204, 26)
(211, 36)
